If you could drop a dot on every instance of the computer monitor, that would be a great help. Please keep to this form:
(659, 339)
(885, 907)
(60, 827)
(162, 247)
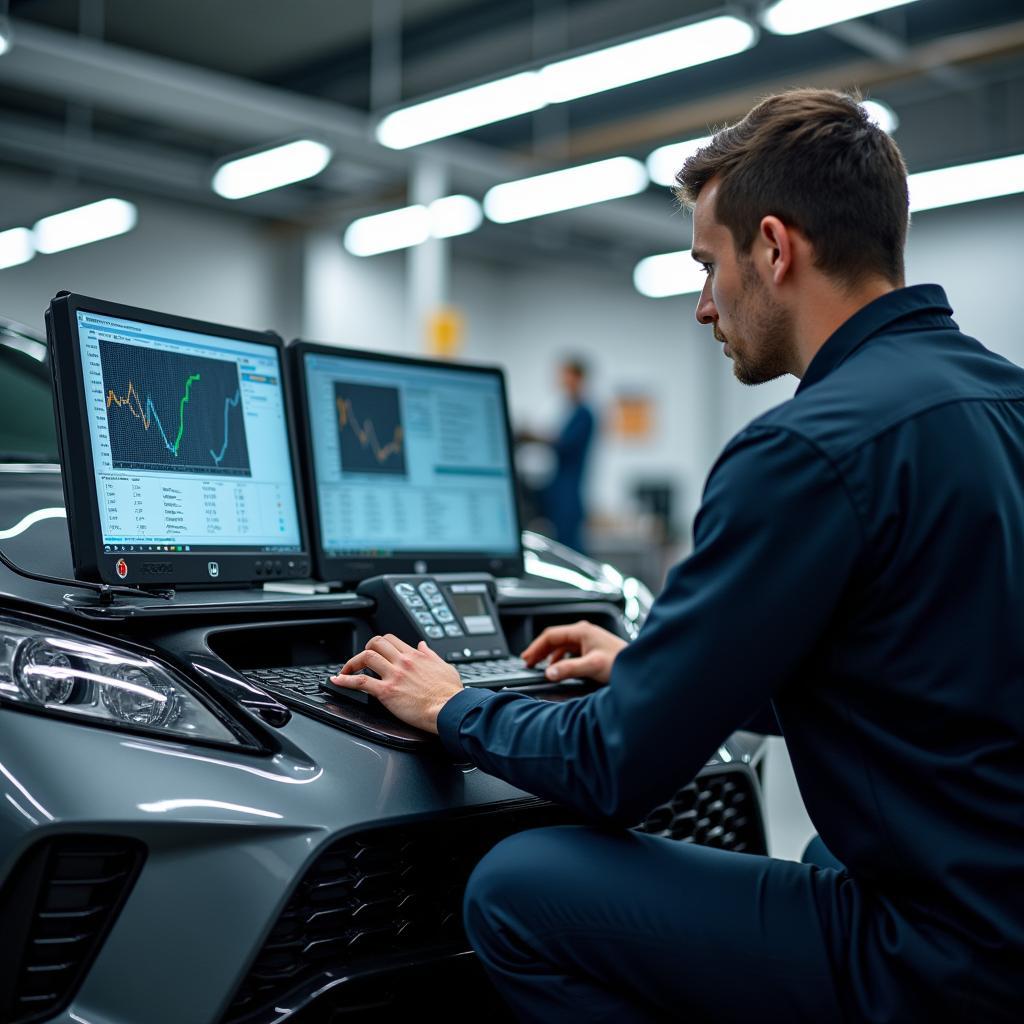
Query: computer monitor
(176, 446)
(410, 464)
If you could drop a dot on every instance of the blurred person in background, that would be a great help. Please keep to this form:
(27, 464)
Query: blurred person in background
(562, 502)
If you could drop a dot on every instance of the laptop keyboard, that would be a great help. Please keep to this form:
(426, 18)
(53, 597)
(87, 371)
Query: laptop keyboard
(306, 679)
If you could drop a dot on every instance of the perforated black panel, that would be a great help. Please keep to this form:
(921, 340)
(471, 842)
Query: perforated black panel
(395, 893)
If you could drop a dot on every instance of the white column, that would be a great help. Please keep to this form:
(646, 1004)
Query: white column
(428, 272)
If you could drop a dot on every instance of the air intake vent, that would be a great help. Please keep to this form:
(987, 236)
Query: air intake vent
(718, 809)
(57, 907)
(390, 897)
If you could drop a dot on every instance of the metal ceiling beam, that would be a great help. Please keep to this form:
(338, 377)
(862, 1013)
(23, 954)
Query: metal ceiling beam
(158, 170)
(241, 112)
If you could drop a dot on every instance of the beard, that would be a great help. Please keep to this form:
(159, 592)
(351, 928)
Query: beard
(765, 332)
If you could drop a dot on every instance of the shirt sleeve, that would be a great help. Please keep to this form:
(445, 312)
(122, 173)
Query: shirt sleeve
(775, 543)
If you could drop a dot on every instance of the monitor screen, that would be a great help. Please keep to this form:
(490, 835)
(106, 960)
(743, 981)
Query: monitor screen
(410, 458)
(189, 438)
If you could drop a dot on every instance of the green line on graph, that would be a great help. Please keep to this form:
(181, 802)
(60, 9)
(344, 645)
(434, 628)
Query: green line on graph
(181, 410)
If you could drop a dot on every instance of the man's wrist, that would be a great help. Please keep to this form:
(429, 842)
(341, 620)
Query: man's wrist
(435, 710)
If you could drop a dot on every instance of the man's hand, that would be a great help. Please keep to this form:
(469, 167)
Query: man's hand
(581, 649)
(414, 684)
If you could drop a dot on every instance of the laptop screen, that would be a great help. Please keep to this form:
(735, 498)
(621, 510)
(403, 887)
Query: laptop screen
(411, 461)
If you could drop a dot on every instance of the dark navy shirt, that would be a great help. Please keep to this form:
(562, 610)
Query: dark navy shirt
(858, 561)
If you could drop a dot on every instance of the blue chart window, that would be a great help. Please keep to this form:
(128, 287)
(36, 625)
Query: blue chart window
(409, 458)
(189, 439)
(164, 410)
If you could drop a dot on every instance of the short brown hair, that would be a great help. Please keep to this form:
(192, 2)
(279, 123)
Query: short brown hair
(812, 158)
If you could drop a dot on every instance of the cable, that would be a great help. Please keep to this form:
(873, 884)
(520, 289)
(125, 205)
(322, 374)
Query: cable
(107, 592)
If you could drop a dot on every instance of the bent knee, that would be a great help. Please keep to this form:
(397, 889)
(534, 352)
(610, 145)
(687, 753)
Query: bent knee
(515, 864)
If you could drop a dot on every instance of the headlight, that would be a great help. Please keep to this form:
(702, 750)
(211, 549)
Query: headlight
(58, 672)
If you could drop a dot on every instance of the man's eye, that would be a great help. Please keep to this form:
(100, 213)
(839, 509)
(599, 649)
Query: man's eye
(707, 267)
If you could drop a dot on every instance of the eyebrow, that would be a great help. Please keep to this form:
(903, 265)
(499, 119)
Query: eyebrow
(700, 256)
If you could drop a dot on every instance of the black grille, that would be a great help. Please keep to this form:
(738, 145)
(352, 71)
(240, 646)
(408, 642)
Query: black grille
(393, 895)
(718, 809)
(57, 907)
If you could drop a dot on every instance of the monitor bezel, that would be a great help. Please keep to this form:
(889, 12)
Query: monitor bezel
(74, 439)
(354, 569)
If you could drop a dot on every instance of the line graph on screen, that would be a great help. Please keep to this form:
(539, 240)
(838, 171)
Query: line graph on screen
(172, 411)
(361, 435)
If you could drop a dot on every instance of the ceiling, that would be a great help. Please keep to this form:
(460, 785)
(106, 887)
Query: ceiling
(148, 97)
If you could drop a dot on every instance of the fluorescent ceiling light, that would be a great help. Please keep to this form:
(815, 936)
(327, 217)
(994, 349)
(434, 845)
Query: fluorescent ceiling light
(105, 219)
(882, 114)
(645, 58)
(413, 225)
(664, 163)
(454, 215)
(5, 35)
(461, 111)
(565, 80)
(671, 273)
(790, 17)
(273, 168)
(564, 190)
(385, 232)
(16, 247)
(967, 183)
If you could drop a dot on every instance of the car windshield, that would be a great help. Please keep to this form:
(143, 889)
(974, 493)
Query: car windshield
(27, 432)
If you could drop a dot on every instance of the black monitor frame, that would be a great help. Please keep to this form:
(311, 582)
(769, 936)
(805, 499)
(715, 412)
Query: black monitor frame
(157, 569)
(354, 569)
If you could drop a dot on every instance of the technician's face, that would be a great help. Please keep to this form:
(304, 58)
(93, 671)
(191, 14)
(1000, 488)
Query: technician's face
(755, 329)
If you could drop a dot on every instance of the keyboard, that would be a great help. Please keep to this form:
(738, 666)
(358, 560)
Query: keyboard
(307, 679)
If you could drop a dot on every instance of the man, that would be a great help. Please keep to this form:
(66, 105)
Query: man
(563, 496)
(858, 562)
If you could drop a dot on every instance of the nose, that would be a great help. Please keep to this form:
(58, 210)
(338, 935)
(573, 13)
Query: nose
(706, 312)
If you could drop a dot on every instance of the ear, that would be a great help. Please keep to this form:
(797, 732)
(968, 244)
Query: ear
(777, 242)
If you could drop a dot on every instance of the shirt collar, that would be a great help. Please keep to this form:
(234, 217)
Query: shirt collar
(915, 302)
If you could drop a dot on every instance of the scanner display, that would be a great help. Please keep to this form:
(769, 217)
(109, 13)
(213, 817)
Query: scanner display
(189, 439)
(409, 457)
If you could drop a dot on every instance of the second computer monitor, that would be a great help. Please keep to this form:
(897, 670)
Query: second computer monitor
(411, 464)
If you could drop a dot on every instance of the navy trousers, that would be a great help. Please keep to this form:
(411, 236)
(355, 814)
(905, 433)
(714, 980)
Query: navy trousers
(587, 924)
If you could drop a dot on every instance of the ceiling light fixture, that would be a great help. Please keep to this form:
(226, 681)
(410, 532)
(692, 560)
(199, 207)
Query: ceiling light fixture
(671, 273)
(413, 225)
(461, 111)
(966, 183)
(791, 17)
(84, 224)
(15, 247)
(564, 80)
(386, 232)
(270, 169)
(648, 57)
(565, 190)
(454, 215)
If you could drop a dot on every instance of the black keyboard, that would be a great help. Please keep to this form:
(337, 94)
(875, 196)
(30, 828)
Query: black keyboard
(306, 679)
(500, 672)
